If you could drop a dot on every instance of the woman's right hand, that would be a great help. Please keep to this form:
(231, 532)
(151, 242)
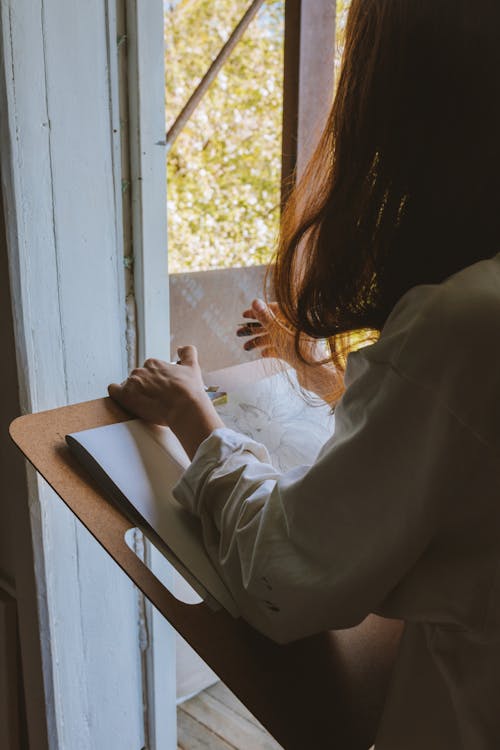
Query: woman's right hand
(273, 337)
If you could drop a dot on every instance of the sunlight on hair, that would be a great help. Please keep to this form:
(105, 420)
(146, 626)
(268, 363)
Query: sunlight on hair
(344, 344)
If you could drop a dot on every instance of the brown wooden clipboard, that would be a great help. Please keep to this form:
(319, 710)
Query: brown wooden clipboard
(320, 693)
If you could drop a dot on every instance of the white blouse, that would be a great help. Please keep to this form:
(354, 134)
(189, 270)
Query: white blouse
(399, 515)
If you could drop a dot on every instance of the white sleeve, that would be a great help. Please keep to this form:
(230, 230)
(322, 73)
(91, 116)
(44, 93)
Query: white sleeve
(320, 547)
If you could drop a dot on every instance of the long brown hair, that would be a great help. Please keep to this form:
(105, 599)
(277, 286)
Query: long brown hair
(404, 187)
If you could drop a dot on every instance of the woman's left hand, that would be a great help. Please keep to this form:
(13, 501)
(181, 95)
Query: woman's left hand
(273, 337)
(172, 395)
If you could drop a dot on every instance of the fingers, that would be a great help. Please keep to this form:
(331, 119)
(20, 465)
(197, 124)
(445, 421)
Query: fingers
(152, 364)
(262, 312)
(258, 342)
(250, 329)
(118, 391)
(136, 375)
(258, 311)
(152, 372)
(262, 316)
(133, 387)
(114, 390)
(188, 355)
(127, 393)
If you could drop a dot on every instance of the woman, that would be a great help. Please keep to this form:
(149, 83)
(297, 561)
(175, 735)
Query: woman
(391, 240)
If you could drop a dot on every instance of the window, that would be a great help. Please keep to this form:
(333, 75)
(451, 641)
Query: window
(225, 141)
(224, 166)
(234, 157)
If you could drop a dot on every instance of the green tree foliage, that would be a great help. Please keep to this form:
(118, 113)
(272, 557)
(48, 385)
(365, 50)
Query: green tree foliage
(224, 168)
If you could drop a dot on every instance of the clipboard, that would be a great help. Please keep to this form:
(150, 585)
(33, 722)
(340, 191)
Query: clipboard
(325, 692)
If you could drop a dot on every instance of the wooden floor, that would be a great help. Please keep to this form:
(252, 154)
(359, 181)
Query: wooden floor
(216, 720)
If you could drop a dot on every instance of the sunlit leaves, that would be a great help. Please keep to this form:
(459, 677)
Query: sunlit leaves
(224, 169)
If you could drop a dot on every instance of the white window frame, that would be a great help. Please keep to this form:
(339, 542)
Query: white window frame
(147, 146)
(148, 176)
(59, 149)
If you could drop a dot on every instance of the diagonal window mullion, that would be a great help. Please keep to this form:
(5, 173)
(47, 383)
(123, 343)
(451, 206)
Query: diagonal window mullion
(212, 72)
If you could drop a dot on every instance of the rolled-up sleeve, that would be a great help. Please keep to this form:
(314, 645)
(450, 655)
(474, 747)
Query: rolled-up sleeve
(321, 546)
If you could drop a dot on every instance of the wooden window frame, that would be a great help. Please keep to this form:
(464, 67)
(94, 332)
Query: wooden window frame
(309, 79)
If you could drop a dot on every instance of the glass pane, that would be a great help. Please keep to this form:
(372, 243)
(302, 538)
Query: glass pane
(224, 168)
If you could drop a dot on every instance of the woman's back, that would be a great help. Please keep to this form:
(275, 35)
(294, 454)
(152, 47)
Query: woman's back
(446, 685)
(400, 514)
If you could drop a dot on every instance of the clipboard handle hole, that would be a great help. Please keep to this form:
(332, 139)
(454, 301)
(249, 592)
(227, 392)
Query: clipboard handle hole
(149, 554)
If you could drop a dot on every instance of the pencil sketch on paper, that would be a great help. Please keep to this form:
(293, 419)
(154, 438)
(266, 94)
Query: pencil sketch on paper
(274, 412)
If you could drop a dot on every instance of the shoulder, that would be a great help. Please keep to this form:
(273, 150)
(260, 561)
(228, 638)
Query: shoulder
(444, 337)
(452, 318)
